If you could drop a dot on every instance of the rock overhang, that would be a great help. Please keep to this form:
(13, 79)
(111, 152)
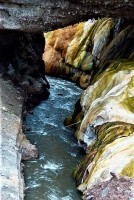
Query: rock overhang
(37, 15)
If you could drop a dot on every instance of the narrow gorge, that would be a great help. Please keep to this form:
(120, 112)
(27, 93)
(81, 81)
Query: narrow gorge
(98, 56)
(67, 100)
(50, 176)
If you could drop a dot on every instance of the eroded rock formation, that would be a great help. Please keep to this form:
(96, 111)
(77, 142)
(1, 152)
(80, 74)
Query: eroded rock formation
(107, 128)
(106, 107)
(13, 146)
(47, 15)
(79, 51)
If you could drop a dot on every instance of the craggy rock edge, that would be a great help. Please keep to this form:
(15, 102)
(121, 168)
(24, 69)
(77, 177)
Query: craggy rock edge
(23, 85)
(14, 145)
(47, 15)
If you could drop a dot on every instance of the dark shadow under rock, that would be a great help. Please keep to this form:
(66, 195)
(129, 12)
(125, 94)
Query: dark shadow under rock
(21, 62)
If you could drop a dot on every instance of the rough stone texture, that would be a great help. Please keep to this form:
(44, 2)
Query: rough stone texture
(11, 142)
(46, 15)
(28, 150)
(116, 188)
(56, 48)
(76, 52)
(104, 50)
(21, 62)
(107, 128)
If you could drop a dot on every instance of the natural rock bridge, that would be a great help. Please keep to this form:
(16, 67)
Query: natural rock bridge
(33, 15)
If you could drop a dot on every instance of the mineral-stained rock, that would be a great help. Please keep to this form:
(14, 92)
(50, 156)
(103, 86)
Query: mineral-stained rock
(77, 49)
(21, 61)
(99, 53)
(77, 52)
(46, 15)
(120, 47)
(108, 126)
(56, 47)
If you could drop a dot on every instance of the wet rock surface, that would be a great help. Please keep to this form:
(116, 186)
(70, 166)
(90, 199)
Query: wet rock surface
(21, 62)
(107, 128)
(98, 55)
(78, 52)
(28, 150)
(107, 106)
(38, 15)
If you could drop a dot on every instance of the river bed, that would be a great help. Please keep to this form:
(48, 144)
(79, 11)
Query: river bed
(50, 176)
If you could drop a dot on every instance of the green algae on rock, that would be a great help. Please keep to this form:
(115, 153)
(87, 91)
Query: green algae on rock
(77, 49)
(108, 126)
(99, 57)
(78, 52)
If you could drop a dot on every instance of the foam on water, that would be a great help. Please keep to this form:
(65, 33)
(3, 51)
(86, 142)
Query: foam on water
(50, 176)
(52, 166)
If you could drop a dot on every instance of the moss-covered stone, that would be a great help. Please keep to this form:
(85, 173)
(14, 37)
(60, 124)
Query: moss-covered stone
(108, 107)
(77, 49)
(87, 47)
(100, 57)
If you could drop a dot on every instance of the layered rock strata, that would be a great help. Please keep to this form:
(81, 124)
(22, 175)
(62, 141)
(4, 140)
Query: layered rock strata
(104, 49)
(47, 15)
(97, 43)
(107, 127)
(79, 51)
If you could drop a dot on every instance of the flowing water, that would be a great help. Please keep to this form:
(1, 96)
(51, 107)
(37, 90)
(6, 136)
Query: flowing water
(50, 176)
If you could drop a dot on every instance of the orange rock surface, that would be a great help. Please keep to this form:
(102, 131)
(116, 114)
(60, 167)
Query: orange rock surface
(56, 47)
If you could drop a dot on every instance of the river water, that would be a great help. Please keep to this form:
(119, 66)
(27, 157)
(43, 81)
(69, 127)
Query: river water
(50, 176)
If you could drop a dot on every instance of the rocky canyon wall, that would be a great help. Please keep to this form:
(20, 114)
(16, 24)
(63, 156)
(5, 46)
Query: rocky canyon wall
(77, 52)
(99, 56)
(22, 86)
(21, 62)
(14, 146)
(107, 129)
(47, 15)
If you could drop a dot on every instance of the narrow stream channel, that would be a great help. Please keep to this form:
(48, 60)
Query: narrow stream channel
(50, 176)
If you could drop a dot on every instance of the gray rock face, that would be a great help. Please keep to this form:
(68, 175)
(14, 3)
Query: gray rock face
(33, 15)
(11, 102)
